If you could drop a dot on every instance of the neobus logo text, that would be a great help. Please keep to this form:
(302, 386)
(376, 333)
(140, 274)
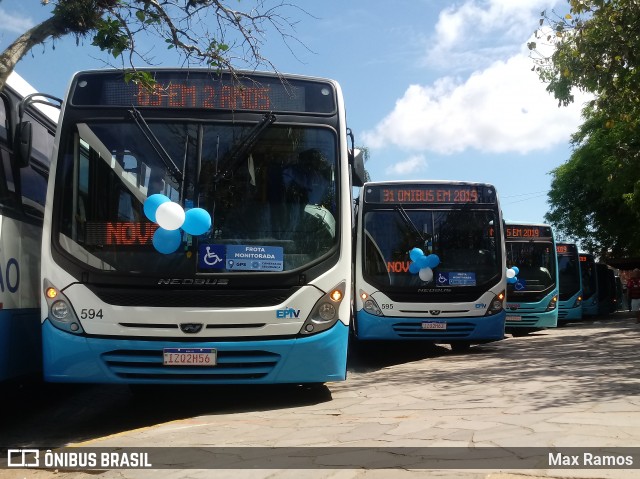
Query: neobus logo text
(287, 313)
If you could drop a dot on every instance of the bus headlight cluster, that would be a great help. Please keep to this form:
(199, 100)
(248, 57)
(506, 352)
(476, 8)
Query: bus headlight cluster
(369, 304)
(496, 305)
(61, 313)
(325, 312)
(552, 304)
(578, 302)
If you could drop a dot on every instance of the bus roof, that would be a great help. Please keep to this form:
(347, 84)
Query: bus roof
(23, 88)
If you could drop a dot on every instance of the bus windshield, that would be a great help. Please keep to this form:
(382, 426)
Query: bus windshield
(278, 197)
(463, 239)
(536, 264)
(569, 274)
(589, 276)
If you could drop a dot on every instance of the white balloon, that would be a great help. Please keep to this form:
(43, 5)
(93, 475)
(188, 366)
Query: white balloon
(511, 273)
(170, 215)
(426, 274)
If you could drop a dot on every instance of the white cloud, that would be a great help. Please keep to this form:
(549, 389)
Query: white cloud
(478, 32)
(14, 23)
(412, 164)
(503, 108)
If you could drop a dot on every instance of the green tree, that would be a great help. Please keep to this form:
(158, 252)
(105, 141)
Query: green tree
(595, 196)
(202, 32)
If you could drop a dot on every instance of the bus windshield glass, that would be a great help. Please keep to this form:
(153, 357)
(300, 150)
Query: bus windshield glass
(589, 277)
(463, 239)
(568, 270)
(536, 264)
(272, 202)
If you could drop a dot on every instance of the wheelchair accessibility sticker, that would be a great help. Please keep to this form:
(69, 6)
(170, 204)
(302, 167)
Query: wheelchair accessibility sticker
(456, 279)
(211, 256)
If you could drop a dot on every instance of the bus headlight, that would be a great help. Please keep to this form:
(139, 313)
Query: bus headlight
(552, 304)
(325, 312)
(370, 305)
(59, 310)
(496, 305)
(61, 313)
(578, 302)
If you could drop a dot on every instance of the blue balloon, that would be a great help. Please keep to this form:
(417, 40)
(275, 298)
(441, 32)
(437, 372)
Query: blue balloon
(414, 268)
(415, 254)
(167, 241)
(422, 262)
(512, 280)
(515, 270)
(197, 221)
(151, 205)
(433, 260)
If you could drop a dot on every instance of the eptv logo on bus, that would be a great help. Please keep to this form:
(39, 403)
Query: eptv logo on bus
(287, 313)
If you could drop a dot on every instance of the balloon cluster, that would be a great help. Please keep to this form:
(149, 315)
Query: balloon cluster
(171, 217)
(512, 275)
(422, 264)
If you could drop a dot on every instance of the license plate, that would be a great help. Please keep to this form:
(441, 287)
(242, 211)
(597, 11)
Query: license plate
(514, 318)
(434, 325)
(189, 356)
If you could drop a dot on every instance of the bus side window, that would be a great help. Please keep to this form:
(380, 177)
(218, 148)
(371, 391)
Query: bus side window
(7, 188)
(34, 176)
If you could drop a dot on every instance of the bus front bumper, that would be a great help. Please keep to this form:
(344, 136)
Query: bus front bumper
(303, 360)
(476, 329)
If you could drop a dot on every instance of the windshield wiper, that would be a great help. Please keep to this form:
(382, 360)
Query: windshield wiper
(234, 156)
(155, 144)
(407, 221)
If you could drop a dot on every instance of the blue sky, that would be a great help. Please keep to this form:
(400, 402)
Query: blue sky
(436, 89)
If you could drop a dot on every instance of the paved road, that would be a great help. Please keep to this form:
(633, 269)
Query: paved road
(576, 386)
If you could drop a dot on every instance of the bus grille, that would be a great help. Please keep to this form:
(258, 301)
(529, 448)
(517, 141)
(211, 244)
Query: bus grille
(414, 330)
(232, 366)
(193, 298)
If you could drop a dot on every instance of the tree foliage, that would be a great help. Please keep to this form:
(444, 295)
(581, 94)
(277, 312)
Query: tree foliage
(202, 32)
(595, 196)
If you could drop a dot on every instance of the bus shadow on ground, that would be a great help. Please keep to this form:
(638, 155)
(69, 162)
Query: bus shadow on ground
(54, 415)
(374, 355)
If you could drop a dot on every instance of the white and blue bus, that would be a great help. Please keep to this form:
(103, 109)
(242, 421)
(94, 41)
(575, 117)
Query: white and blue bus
(430, 263)
(532, 298)
(23, 187)
(570, 283)
(199, 232)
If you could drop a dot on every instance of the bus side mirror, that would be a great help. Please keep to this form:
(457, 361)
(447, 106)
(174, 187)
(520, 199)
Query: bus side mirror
(358, 172)
(23, 142)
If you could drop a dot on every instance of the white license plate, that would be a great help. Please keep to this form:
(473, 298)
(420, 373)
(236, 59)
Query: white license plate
(434, 325)
(189, 356)
(514, 318)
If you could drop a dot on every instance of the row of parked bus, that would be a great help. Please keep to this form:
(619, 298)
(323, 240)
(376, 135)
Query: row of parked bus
(204, 232)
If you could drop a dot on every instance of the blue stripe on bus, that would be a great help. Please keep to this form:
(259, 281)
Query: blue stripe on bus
(314, 359)
(477, 328)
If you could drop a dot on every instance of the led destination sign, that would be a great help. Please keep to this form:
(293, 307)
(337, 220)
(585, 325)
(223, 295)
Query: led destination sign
(180, 89)
(527, 231)
(435, 194)
(566, 249)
